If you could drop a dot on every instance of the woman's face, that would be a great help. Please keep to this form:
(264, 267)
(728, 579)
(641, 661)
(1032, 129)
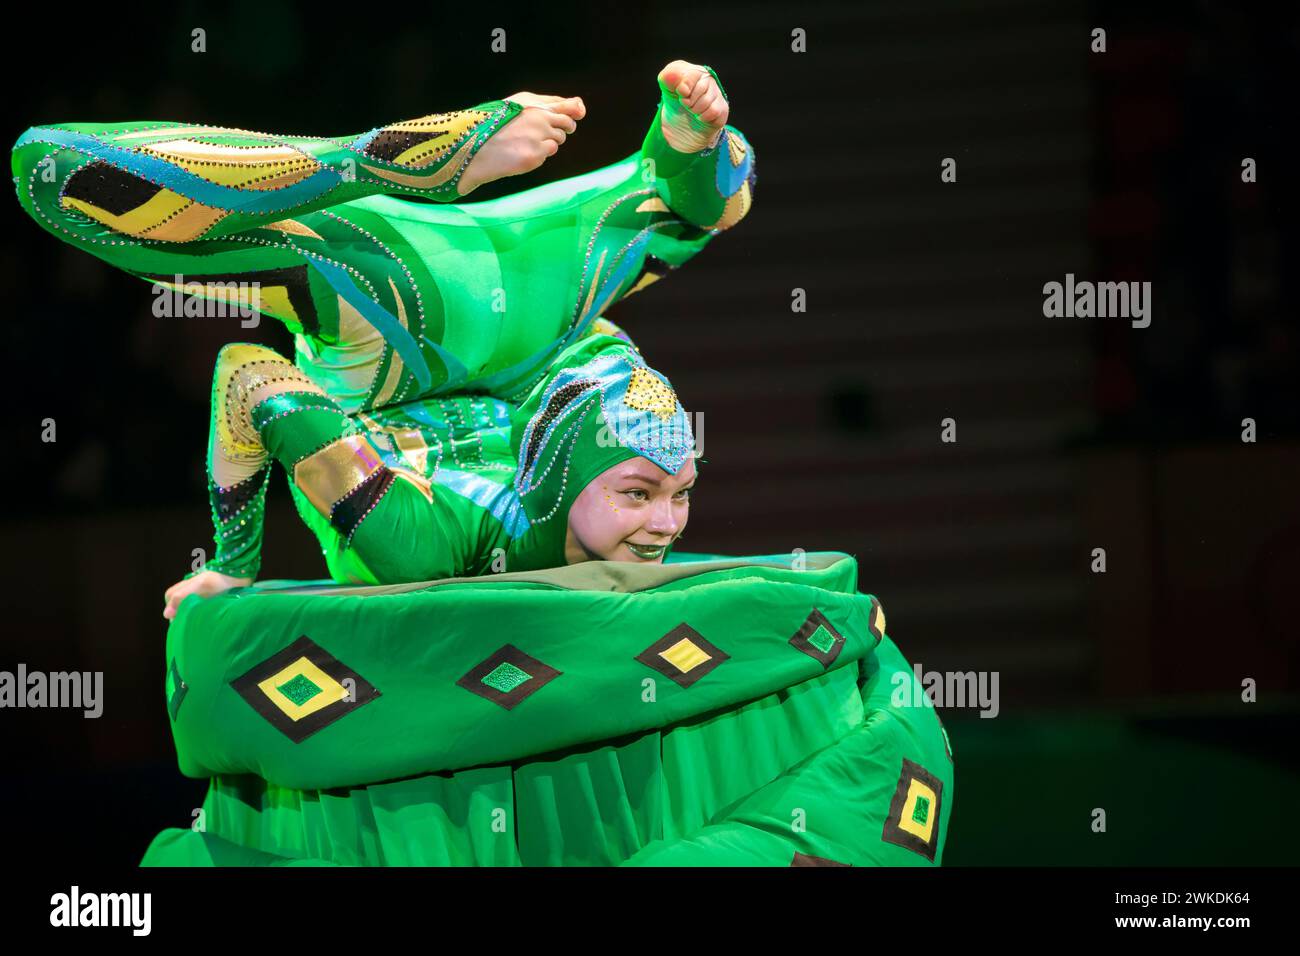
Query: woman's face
(630, 512)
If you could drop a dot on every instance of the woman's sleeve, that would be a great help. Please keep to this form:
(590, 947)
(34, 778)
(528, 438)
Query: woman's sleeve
(708, 185)
(174, 183)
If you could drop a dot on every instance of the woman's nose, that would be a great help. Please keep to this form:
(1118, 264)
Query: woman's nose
(662, 519)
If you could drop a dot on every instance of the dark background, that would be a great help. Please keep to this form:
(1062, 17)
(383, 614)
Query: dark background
(1119, 690)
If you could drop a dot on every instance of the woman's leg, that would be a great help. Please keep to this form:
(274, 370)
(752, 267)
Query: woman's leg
(233, 214)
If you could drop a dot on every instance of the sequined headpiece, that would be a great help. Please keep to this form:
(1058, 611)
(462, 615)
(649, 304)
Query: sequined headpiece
(590, 417)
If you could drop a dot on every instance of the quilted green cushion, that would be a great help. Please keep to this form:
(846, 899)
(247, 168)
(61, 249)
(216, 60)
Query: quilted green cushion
(613, 711)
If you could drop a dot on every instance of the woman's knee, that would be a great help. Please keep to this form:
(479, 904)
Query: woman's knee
(400, 539)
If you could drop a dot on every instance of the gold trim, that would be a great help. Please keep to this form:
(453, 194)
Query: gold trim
(591, 290)
(425, 182)
(736, 208)
(190, 223)
(331, 474)
(293, 227)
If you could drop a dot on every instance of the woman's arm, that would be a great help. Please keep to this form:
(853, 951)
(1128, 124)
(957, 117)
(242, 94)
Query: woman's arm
(173, 183)
(238, 516)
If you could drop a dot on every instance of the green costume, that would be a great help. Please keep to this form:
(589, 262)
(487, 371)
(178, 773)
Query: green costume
(420, 329)
(454, 389)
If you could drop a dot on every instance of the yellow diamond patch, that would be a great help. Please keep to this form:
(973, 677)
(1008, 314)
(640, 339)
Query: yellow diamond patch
(685, 655)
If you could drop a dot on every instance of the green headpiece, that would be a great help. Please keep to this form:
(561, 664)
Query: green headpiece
(604, 407)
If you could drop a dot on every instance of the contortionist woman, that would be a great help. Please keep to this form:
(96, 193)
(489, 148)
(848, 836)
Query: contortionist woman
(457, 404)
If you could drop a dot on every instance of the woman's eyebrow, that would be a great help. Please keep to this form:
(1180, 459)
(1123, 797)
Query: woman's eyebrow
(648, 479)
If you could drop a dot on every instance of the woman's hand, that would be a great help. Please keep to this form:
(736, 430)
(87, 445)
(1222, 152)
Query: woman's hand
(205, 584)
(527, 141)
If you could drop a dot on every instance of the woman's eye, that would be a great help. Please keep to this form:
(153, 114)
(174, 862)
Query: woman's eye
(633, 492)
(684, 494)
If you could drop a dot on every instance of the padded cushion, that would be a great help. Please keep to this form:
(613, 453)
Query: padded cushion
(690, 686)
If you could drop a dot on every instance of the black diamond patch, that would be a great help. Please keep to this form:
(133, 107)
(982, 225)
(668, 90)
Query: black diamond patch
(913, 820)
(508, 677)
(818, 638)
(176, 690)
(683, 655)
(303, 689)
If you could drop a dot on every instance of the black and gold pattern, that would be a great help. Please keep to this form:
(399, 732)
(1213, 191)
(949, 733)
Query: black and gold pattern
(652, 270)
(508, 677)
(557, 405)
(109, 188)
(422, 142)
(132, 205)
(283, 293)
(303, 689)
(818, 638)
(683, 655)
(227, 503)
(913, 820)
(347, 514)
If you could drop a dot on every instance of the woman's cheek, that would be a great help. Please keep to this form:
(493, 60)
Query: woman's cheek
(622, 523)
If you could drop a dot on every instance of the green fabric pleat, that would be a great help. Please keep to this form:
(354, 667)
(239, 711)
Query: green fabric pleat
(193, 848)
(592, 808)
(711, 764)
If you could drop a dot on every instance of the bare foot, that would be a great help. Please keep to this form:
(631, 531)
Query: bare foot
(205, 583)
(693, 118)
(527, 141)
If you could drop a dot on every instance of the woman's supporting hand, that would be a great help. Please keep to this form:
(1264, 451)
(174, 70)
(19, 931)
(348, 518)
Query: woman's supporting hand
(205, 584)
(527, 141)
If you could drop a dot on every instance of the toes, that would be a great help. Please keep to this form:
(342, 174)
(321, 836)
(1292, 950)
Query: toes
(697, 89)
(712, 115)
(706, 102)
(575, 107)
(673, 74)
(568, 105)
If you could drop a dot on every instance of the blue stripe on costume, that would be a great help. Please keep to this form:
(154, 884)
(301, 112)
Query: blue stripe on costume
(185, 183)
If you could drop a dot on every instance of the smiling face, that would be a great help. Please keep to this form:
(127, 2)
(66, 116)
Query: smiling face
(630, 512)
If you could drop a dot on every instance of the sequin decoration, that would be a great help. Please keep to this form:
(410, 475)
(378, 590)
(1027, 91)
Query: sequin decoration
(646, 392)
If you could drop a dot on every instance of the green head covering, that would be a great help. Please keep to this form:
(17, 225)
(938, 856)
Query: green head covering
(603, 406)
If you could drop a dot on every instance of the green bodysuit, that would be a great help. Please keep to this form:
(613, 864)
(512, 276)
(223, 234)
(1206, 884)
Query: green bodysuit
(425, 334)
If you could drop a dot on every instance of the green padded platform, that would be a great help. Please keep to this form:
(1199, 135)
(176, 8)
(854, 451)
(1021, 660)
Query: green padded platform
(709, 711)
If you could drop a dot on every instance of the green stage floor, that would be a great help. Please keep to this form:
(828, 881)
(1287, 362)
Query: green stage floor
(1180, 786)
